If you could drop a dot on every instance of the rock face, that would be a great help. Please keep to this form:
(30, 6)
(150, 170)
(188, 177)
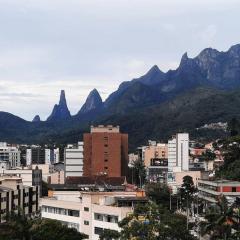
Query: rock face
(93, 102)
(211, 68)
(60, 111)
(36, 119)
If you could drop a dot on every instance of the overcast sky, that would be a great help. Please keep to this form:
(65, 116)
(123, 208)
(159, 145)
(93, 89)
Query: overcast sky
(78, 45)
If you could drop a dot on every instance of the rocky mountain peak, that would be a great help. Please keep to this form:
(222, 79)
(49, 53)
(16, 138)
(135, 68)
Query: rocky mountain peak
(60, 111)
(36, 119)
(235, 50)
(93, 102)
(62, 100)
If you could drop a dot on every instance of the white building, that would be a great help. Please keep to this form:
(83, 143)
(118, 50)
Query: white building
(178, 153)
(89, 212)
(9, 156)
(73, 160)
(56, 156)
(172, 154)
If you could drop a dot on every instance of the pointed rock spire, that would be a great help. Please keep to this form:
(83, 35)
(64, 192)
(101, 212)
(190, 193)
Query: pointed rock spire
(93, 102)
(36, 119)
(60, 111)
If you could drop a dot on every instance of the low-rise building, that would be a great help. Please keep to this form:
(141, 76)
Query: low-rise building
(90, 212)
(210, 191)
(17, 198)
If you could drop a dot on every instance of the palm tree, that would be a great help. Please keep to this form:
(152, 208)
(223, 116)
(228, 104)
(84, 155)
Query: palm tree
(220, 220)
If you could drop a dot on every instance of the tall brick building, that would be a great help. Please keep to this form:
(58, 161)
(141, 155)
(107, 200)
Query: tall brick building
(105, 152)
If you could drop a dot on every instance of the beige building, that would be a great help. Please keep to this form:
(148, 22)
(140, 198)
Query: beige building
(158, 151)
(175, 179)
(90, 212)
(57, 177)
(30, 177)
(17, 198)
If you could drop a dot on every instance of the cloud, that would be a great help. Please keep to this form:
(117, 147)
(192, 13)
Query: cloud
(46, 46)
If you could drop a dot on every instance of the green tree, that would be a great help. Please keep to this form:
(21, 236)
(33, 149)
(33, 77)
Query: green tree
(48, 229)
(16, 227)
(159, 193)
(109, 234)
(139, 172)
(187, 190)
(234, 127)
(220, 220)
(149, 222)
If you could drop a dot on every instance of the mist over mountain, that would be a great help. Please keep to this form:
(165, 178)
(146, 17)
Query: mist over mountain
(201, 90)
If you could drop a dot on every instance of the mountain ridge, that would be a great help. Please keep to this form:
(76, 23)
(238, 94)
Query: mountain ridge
(135, 104)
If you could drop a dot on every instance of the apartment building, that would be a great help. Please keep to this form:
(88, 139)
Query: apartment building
(90, 212)
(105, 152)
(73, 160)
(38, 155)
(17, 198)
(9, 156)
(30, 177)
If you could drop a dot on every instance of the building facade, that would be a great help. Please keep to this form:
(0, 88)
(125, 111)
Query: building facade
(17, 198)
(73, 160)
(30, 177)
(210, 191)
(90, 212)
(39, 156)
(178, 153)
(105, 152)
(9, 156)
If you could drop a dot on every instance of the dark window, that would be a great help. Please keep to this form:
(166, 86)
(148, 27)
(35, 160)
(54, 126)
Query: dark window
(98, 230)
(86, 209)
(234, 189)
(86, 222)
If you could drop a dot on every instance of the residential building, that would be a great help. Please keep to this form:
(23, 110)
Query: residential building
(73, 160)
(39, 155)
(105, 152)
(30, 177)
(90, 212)
(56, 155)
(57, 177)
(10, 155)
(210, 191)
(172, 154)
(17, 198)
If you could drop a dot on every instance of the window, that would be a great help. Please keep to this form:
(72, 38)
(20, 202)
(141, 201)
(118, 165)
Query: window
(98, 216)
(105, 145)
(106, 168)
(86, 209)
(86, 222)
(98, 230)
(234, 189)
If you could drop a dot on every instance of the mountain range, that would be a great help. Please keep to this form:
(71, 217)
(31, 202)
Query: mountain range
(201, 90)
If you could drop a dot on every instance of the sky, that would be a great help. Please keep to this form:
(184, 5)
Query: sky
(78, 45)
